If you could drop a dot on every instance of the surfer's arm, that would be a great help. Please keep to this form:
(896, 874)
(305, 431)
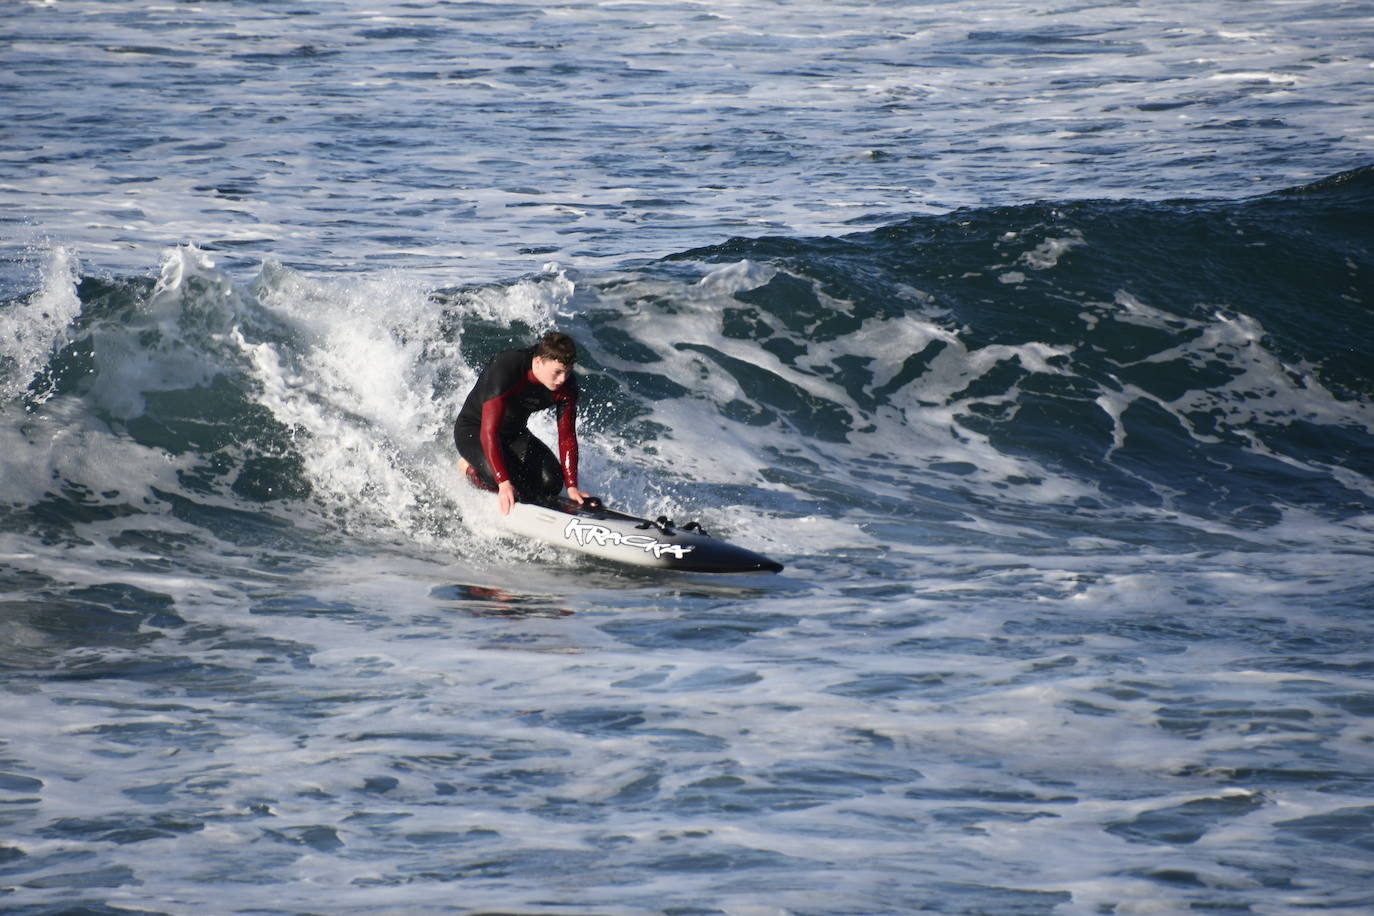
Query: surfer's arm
(493, 411)
(567, 444)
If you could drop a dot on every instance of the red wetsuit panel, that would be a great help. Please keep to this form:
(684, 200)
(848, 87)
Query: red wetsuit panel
(566, 400)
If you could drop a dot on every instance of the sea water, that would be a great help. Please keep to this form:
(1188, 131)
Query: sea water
(1033, 339)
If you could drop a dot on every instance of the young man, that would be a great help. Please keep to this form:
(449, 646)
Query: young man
(498, 452)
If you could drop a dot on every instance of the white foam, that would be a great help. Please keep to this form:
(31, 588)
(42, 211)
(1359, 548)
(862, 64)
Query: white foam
(1264, 390)
(1046, 255)
(33, 329)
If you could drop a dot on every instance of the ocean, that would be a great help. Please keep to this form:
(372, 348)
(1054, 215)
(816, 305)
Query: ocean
(1034, 339)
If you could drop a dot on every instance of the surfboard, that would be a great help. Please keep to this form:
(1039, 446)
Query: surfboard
(595, 529)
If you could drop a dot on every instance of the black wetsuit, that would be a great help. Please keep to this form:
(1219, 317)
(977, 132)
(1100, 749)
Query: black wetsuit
(491, 431)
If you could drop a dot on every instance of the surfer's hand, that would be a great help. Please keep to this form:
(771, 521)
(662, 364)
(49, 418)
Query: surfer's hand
(577, 495)
(505, 496)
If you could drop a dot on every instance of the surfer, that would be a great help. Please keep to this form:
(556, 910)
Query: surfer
(497, 451)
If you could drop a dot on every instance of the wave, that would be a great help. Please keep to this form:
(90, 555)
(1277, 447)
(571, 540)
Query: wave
(1205, 355)
(1047, 365)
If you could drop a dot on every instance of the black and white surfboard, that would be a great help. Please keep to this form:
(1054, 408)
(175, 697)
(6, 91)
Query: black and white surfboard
(594, 529)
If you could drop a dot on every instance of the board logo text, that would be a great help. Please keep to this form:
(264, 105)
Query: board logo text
(584, 533)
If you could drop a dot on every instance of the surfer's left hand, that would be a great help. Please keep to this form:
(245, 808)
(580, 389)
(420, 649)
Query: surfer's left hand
(577, 495)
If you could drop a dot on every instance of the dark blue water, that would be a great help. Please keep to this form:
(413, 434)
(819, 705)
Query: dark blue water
(1033, 341)
(1076, 506)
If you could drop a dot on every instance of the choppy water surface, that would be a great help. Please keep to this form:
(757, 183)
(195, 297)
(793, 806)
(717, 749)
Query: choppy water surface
(472, 140)
(1034, 341)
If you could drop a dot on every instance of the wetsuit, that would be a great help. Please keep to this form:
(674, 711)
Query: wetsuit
(491, 431)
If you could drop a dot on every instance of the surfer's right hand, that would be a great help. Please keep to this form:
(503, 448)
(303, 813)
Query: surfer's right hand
(505, 495)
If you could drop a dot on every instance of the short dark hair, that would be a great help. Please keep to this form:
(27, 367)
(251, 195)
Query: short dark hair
(558, 347)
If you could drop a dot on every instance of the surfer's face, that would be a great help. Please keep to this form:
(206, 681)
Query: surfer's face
(550, 372)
